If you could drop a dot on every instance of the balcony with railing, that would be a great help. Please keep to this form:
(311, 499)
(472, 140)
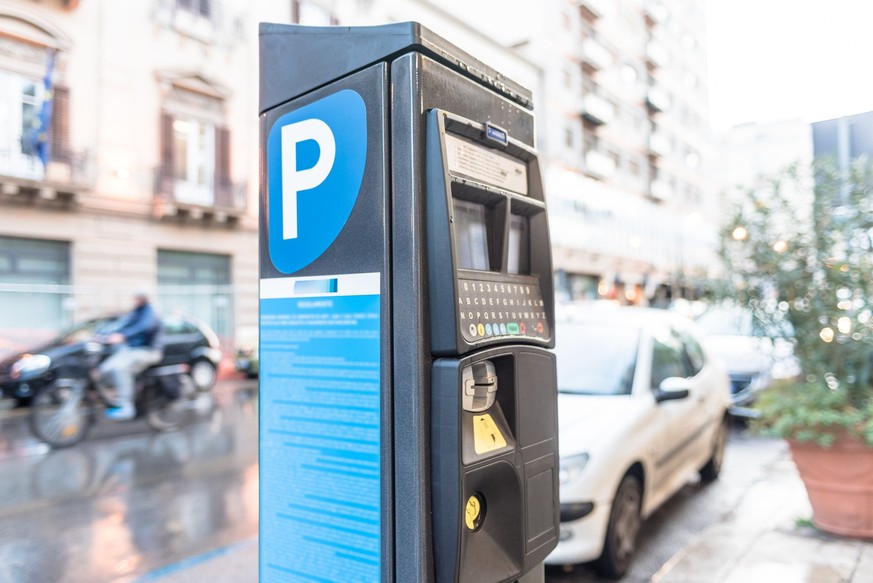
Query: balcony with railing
(599, 164)
(64, 177)
(657, 55)
(661, 190)
(657, 100)
(592, 8)
(596, 109)
(217, 201)
(595, 55)
(656, 12)
(660, 144)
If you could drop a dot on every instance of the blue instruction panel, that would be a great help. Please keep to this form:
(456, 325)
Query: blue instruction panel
(320, 508)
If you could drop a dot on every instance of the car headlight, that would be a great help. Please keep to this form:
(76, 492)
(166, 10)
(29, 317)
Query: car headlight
(572, 466)
(31, 364)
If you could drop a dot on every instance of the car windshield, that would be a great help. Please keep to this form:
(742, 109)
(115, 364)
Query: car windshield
(596, 358)
(87, 330)
(729, 321)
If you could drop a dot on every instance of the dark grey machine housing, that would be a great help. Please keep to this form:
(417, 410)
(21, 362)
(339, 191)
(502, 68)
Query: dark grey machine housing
(423, 94)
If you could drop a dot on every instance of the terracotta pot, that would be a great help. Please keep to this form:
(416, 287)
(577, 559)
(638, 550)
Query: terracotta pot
(839, 482)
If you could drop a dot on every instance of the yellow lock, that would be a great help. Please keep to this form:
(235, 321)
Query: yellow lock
(474, 512)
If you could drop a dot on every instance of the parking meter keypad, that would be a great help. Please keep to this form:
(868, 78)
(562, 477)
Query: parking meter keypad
(489, 309)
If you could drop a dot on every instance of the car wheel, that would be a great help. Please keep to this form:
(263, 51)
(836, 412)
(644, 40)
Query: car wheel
(204, 374)
(621, 531)
(712, 469)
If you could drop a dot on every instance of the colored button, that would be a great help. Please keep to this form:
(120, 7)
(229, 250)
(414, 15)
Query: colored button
(522, 328)
(481, 330)
(512, 328)
(503, 328)
(473, 330)
(539, 327)
(488, 329)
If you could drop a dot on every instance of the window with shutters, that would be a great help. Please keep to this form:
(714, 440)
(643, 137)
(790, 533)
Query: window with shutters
(194, 161)
(195, 150)
(20, 101)
(35, 140)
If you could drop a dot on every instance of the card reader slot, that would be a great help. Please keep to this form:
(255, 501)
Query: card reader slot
(479, 132)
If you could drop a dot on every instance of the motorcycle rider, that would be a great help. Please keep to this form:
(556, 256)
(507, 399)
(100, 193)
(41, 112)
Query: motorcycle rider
(140, 334)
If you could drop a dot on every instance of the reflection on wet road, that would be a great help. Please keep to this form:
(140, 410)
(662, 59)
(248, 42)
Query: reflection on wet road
(127, 500)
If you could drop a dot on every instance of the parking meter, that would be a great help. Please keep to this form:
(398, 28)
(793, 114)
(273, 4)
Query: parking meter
(408, 426)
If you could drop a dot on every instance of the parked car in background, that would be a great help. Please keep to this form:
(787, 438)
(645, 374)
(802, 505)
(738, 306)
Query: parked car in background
(734, 335)
(642, 408)
(246, 360)
(186, 340)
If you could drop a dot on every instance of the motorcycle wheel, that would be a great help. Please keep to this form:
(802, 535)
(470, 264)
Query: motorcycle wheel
(163, 413)
(61, 413)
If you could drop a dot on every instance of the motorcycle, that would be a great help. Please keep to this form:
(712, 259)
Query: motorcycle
(64, 409)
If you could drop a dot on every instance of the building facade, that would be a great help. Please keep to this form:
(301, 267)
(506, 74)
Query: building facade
(625, 132)
(751, 155)
(753, 152)
(148, 176)
(620, 91)
(143, 176)
(844, 138)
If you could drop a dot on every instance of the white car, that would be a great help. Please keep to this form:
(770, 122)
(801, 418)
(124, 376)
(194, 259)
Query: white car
(642, 408)
(733, 335)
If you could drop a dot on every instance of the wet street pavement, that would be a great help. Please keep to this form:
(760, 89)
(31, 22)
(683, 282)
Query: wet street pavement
(127, 500)
(129, 504)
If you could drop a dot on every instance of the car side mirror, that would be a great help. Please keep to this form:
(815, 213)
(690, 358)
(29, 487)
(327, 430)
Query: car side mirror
(672, 389)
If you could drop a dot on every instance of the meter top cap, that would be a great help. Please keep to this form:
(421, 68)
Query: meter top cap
(309, 69)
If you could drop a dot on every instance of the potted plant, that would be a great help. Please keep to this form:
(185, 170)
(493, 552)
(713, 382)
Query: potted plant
(799, 253)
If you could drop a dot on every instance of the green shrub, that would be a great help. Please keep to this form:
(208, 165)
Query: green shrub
(799, 253)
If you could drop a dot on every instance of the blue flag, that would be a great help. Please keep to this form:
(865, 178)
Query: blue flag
(40, 141)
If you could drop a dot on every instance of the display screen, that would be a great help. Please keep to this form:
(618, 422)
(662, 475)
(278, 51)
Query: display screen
(471, 235)
(519, 262)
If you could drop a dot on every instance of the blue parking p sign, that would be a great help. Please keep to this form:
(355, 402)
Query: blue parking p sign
(315, 165)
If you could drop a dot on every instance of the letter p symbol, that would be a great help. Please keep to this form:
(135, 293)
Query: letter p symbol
(295, 181)
(315, 160)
